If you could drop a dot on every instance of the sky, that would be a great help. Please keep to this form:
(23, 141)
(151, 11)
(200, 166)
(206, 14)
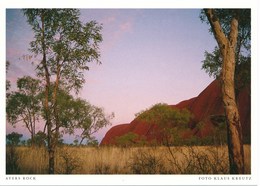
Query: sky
(148, 56)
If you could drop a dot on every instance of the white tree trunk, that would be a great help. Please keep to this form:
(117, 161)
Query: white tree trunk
(234, 131)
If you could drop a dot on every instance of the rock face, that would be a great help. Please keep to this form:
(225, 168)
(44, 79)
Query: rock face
(206, 108)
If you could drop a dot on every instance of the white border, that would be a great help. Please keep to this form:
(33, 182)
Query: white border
(136, 179)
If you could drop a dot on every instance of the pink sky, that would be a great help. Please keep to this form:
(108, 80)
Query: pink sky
(148, 56)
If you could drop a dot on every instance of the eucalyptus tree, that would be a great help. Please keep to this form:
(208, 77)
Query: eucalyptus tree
(65, 46)
(12, 157)
(23, 106)
(170, 120)
(13, 138)
(39, 139)
(89, 119)
(212, 63)
(77, 116)
(232, 31)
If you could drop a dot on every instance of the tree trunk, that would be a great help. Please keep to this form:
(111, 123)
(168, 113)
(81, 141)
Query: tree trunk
(234, 131)
(55, 104)
(51, 159)
(235, 145)
(46, 102)
(32, 140)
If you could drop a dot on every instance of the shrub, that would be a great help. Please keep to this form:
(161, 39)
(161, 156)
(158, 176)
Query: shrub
(68, 161)
(198, 160)
(129, 139)
(12, 158)
(146, 162)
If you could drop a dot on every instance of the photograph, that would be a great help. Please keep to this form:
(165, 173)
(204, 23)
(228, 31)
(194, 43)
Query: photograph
(130, 95)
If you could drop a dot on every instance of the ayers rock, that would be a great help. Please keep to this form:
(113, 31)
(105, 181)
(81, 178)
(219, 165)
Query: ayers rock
(203, 107)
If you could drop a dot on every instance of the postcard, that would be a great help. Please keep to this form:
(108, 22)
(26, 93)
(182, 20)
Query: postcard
(129, 93)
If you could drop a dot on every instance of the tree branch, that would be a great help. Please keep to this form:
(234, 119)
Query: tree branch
(217, 29)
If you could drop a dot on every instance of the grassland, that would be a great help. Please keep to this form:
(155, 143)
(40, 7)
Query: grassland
(134, 160)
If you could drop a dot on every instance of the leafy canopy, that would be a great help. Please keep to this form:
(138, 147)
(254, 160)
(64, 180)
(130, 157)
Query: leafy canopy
(24, 104)
(68, 43)
(128, 139)
(213, 60)
(78, 115)
(13, 138)
(165, 116)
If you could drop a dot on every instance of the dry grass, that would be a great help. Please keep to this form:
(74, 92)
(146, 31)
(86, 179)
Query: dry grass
(135, 160)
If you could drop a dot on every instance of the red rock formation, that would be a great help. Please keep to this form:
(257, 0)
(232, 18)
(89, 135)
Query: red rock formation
(203, 107)
(114, 132)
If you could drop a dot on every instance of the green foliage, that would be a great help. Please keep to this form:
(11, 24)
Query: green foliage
(243, 73)
(66, 46)
(25, 102)
(79, 115)
(76, 115)
(65, 106)
(7, 66)
(7, 83)
(198, 160)
(227, 35)
(219, 130)
(165, 116)
(70, 162)
(24, 105)
(213, 60)
(13, 138)
(70, 43)
(40, 139)
(126, 140)
(146, 162)
(15, 106)
(225, 16)
(12, 159)
(92, 142)
(171, 121)
(212, 63)
(75, 142)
